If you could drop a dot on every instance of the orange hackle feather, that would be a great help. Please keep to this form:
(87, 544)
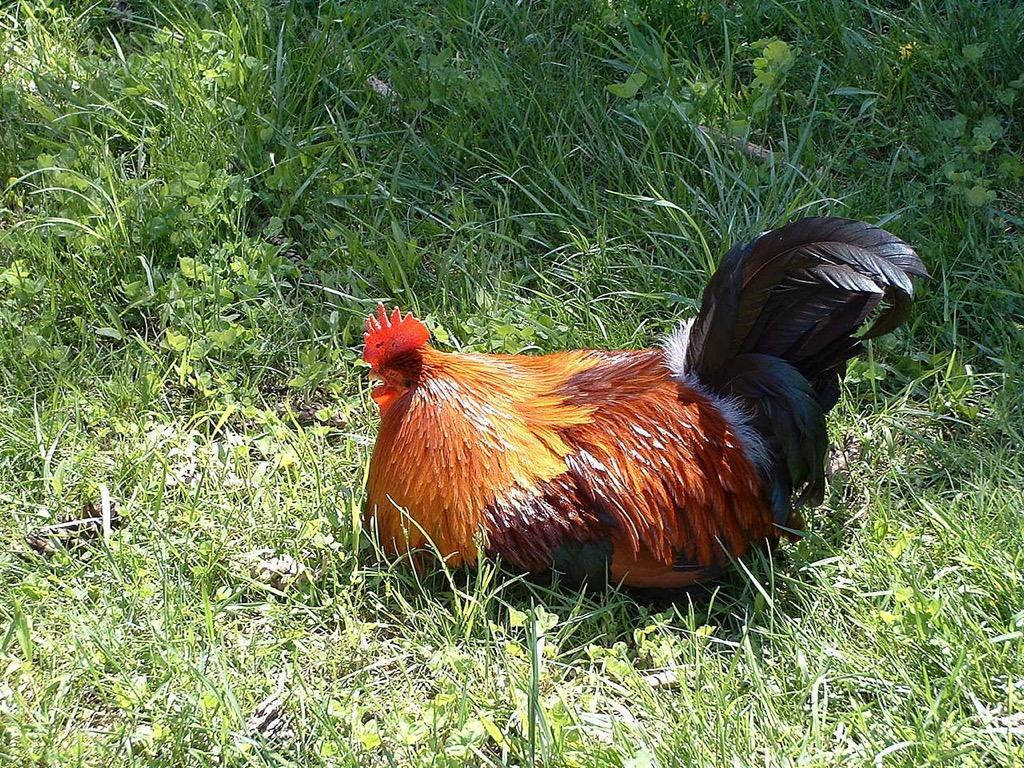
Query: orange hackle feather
(472, 429)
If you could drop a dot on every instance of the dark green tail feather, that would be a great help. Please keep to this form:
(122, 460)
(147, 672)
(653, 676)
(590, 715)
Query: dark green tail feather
(778, 323)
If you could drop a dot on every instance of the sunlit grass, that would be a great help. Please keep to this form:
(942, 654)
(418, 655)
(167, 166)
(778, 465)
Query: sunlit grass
(200, 201)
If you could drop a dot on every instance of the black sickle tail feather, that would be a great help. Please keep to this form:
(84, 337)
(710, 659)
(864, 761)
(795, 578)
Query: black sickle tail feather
(778, 323)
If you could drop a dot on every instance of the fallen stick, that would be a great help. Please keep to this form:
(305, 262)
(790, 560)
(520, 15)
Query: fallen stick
(748, 148)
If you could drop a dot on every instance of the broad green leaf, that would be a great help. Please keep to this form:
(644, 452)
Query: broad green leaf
(979, 196)
(630, 87)
(176, 341)
(974, 52)
(1011, 166)
(643, 758)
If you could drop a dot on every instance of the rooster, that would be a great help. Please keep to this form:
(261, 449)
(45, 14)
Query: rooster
(653, 468)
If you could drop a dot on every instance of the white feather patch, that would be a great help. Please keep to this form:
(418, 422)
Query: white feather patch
(731, 409)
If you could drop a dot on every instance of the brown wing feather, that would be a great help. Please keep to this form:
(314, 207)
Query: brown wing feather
(656, 470)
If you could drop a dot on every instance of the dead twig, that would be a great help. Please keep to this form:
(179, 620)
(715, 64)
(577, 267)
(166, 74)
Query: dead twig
(748, 148)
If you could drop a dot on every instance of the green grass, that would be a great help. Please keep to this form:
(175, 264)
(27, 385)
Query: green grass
(155, 344)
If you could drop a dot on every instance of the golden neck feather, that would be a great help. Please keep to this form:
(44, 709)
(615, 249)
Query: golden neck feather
(471, 429)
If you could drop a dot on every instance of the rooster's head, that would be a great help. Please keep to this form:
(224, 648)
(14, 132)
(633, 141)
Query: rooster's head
(392, 348)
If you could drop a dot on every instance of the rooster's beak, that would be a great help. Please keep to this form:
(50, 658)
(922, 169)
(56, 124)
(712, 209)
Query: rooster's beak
(378, 384)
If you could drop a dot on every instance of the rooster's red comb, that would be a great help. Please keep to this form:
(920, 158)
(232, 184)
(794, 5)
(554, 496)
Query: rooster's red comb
(388, 336)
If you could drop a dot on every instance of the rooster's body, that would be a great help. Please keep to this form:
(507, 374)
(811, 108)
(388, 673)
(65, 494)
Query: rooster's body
(653, 467)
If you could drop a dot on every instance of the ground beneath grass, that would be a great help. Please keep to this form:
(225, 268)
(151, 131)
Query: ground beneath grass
(200, 200)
